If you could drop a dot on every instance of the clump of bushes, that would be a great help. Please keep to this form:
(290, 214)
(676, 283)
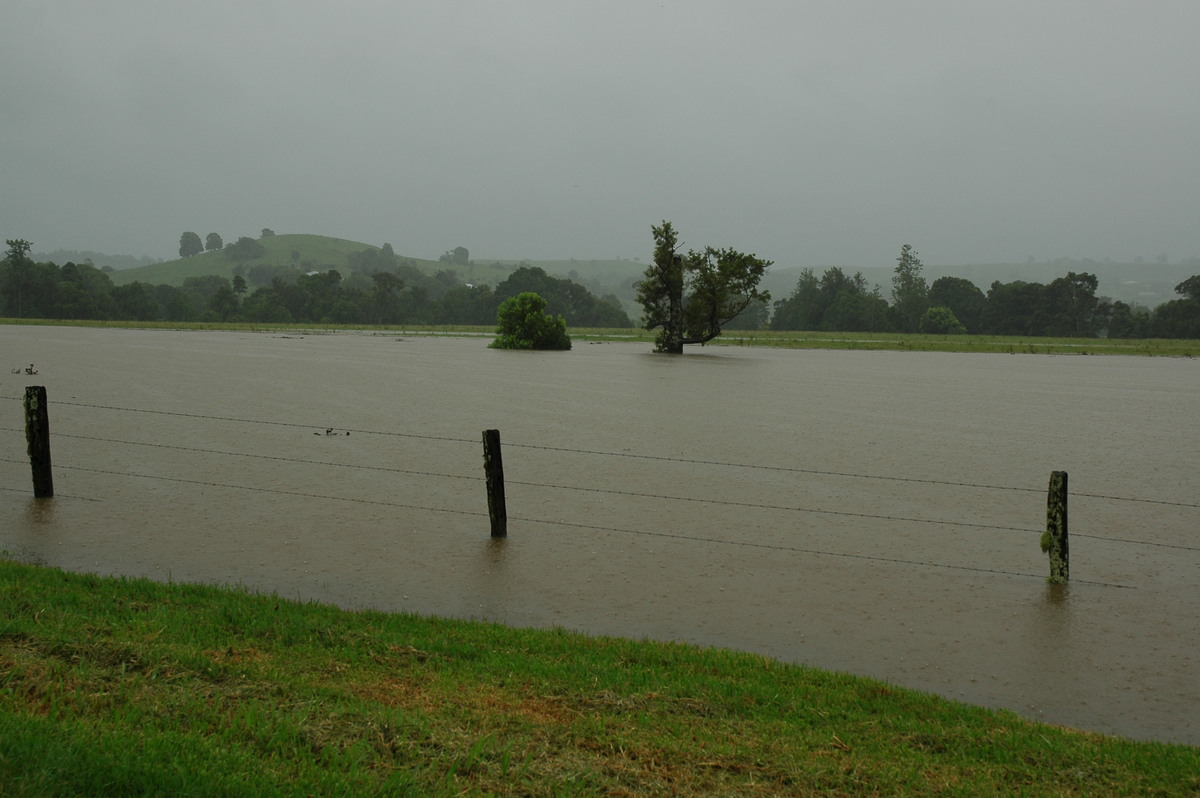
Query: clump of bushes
(523, 324)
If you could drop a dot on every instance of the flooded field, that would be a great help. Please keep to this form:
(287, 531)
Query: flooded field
(869, 512)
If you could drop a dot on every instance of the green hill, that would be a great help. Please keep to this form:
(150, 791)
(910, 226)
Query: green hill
(308, 252)
(322, 253)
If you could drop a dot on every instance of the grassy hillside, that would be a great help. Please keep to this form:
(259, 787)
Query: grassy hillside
(131, 687)
(312, 252)
(321, 253)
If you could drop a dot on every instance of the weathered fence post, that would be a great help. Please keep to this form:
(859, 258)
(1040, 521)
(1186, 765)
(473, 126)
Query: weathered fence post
(37, 433)
(493, 466)
(1054, 539)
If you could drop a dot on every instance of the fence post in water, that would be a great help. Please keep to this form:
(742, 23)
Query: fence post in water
(1054, 539)
(37, 433)
(493, 466)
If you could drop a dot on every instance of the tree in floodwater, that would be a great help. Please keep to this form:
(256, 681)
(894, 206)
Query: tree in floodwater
(522, 324)
(692, 296)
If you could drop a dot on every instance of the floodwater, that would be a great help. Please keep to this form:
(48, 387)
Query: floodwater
(870, 512)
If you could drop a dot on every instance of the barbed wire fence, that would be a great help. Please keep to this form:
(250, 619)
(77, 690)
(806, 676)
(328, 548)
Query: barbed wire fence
(661, 499)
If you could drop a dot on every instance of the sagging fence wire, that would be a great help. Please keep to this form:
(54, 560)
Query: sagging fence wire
(523, 483)
(592, 527)
(637, 494)
(630, 455)
(661, 497)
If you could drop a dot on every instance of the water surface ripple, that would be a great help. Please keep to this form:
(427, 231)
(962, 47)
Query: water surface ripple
(883, 518)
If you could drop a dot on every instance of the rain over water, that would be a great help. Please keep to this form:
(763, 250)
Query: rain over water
(877, 513)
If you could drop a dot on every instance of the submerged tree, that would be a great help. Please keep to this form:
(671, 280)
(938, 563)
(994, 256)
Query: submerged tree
(522, 324)
(692, 296)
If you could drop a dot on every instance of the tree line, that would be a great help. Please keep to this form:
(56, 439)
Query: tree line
(244, 248)
(1066, 307)
(378, 288)
(690, 297)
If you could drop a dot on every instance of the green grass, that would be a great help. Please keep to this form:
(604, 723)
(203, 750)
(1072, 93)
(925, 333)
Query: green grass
(131, 687)
(1005, 344)
(998, 344)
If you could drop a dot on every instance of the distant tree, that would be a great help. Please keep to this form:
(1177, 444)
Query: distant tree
(135, 302)
(466, 304)
(369, 261)
(200, 290)
(175, 304)
(1190, 288)
(239, 284)
(189, 245)
(1179, 318)
(563, 297)
(84, 292)
(522, 324)
(245, 249)
(850, 305)
(691, 297)
(1072, 308)
(224, 303)
(27, 289)
(756, 316)
(835, 303)
(941, 321)
(459, 256)
(1125, 322)
(802, 308)
(322, 291)
(266, 305)
(18, 250)
(385, 299)
(213, 242)
(267, 232)
(15, 272)
(910, 293)
(962, 297)
(1016, 308)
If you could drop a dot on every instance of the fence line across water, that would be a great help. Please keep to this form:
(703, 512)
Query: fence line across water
(631, 455)
(596, 490)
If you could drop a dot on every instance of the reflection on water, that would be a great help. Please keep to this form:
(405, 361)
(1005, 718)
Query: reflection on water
(212, 473)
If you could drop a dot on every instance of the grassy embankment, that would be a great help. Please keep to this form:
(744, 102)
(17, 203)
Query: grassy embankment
(1158, 347)
(129, 687)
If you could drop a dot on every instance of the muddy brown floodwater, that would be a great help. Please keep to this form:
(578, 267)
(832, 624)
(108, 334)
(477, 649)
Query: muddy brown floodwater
(869, 512)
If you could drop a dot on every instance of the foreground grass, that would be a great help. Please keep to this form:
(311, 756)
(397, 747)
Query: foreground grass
(130, 687)
(1158, 347)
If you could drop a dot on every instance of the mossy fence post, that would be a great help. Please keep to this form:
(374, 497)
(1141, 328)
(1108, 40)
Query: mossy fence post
(37, 433)
(1054, 539)
(493, 466)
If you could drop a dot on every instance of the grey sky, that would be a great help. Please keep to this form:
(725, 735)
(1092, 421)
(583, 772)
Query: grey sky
(810, 133)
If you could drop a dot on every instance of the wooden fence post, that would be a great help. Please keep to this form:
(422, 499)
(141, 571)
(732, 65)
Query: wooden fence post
(37, 433)
(493, 466)
(1054, 539)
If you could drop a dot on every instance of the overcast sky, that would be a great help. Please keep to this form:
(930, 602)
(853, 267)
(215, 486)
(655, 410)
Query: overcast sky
(810, 133)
